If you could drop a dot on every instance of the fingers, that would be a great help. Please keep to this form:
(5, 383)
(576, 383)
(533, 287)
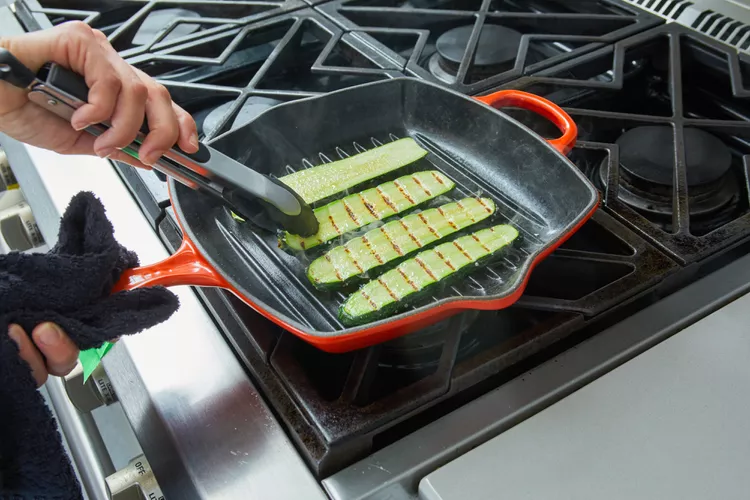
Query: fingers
(165, 120)
(163, 126)
(60, 352)
(29, 353)
(47, 341)
(188, 140)
(168, 123)
(118, 93)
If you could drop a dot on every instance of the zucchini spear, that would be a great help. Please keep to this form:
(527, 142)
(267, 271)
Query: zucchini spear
(413, 278)
(320, 182)
(359, 209)
(394, 240)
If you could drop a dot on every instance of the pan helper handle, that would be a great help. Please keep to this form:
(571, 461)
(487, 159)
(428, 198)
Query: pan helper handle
(539, 105)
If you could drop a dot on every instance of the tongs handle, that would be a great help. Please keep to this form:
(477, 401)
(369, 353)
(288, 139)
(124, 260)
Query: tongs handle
(62, 91)
(208, 166)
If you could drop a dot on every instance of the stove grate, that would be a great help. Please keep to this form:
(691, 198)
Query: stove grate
(685, 97)
(138, 26)
(473, 45)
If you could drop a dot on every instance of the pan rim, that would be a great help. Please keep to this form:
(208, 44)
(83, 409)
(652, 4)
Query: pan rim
(451, 303)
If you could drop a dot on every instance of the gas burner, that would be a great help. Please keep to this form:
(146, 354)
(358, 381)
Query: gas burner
(496, 51)
(160, 20)
(253, 106)
(421, 351)
(428, 38)
(647, 153)
(647, 172)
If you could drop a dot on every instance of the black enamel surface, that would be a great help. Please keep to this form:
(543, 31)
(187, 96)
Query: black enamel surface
(481, 149)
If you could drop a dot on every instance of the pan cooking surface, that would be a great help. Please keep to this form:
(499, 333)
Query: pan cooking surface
(276, 280)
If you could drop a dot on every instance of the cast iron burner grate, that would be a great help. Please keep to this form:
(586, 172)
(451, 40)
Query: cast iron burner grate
(471, 45)
(226, 79)
(138, 26)
(673, 108)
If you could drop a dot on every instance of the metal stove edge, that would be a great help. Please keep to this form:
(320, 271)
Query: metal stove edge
(395, 472)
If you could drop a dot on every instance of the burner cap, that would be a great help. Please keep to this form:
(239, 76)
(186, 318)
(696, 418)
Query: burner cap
(159, 20)
(648, 154)
(497, 45)
(253, 106)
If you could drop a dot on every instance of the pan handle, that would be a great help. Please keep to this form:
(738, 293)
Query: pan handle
(540, 105)
(185, 267)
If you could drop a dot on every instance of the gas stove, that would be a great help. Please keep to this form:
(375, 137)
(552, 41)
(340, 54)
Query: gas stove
(636, 249)
(664, 133)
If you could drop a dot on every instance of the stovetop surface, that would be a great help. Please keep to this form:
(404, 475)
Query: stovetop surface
(663, 128)
(471, 45)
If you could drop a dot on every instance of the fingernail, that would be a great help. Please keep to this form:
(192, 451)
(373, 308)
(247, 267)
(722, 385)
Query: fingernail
(80, 126)
(105, 153)
(49, 334)
(194, 140)
(147, 159)
(15, 332)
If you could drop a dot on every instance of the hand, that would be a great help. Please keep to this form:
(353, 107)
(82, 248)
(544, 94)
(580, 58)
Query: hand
(60, 352)
(117, 92)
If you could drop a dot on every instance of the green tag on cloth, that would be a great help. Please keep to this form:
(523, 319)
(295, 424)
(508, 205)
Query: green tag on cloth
(91, 358)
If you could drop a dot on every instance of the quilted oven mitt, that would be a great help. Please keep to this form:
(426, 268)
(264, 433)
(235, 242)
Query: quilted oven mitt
(69, 286)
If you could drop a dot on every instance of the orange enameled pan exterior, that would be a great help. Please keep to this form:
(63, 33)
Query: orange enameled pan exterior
(187, 266)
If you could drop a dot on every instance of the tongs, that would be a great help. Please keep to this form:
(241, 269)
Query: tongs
(263, 200)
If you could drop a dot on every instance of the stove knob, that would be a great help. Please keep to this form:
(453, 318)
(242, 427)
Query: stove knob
(135, 482)
(7, 179)
(96, 392)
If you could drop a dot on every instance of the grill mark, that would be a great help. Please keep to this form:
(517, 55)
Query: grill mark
(335, 269)
(333, 223)
(413, 238)
(425, 268)
(484, 205)
(446, 261)
(437, 177)
(460, 249)
(406, 278)
(372, 250)
(386, 199)
(448, 219)
(387, 289)
(350, 212)
(354, 261)
(419, 183)
(468, 212)
(484, 247)
(404, 192)
(369, 206)
(369, 299)
(429, 227)
(392, 242)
